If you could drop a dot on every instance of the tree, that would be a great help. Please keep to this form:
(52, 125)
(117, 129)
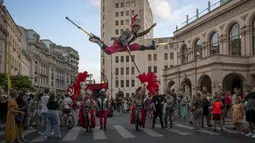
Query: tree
(21, 82)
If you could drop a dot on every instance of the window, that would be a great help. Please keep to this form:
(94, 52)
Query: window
(122, 4)
(116, 14)
(116, 83)
(132, 3)
(127, 70)
(133, 70)
(149, 68)
(116, 22)
(127, 13)
(116, 59)
(122, 22)
(103, 26)
(122, 83)
(127, 29)
(122, 59)
(253, 35)
(116, 71)
(117, 32)
(122, 13)
(184, 54)
(149, 57)
(121, 71)
(132, 12)
(103, 61)
(198, 50)
(103, 17)
(127, 4)
(103, 9)
(214, 43)
(155, 69)
(165, 56)
(171, 56)
(235, 40)
(127, 22)
(116, 5)
(165, 67)
(165, 47)
(133, 83)
(171, 66)
(127, 58)
(121, 31)
(133, 57)
(103, 35)
(155, 57)
(127, 83)
(127, 94)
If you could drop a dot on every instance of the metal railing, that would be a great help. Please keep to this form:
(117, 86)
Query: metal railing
(199, 14)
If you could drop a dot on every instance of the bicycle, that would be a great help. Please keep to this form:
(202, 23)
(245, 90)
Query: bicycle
(67, 119)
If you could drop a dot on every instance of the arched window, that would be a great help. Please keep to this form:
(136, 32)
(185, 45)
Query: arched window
(235, 40)
(253, 36)
(214, 44)
(198, 50)
(184, 54)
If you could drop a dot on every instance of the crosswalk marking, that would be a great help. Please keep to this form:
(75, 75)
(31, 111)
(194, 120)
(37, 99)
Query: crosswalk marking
(98, 134)
(191, 128)
(38, 139)
(152, 133)
(123, 132)
(178, 132)
(1, 133)
(27, 132)
(72, 134)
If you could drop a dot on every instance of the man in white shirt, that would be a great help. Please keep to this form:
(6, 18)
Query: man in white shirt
(67, 104)
(43, 102)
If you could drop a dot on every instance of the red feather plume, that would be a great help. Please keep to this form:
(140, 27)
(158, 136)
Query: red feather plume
(152, 81)
(133, 19)
(77, 87)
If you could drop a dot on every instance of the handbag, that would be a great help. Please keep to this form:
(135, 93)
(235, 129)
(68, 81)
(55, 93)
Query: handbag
(19, 119)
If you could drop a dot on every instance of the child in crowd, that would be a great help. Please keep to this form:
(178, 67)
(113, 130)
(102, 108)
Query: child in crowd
(216, 112)
(237, 116)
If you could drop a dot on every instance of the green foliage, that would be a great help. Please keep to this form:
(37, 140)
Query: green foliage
(18, 82)
(60, 95)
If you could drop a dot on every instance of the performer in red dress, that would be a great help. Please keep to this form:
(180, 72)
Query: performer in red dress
(125, 39)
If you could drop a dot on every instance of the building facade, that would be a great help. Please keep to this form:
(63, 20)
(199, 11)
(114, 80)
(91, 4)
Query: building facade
(50, 66)
(118, 67)
(218, 51)
(3, 39)
(14, 42)
(25, 58)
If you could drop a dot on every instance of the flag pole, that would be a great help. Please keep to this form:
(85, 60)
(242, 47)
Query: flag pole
(9, 70)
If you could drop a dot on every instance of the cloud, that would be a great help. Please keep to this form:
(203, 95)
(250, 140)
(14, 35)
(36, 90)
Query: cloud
(96, 3)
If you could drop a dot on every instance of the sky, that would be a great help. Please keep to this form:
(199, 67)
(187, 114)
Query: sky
(47, 18)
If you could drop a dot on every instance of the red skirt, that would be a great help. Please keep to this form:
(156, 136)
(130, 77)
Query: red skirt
(82, 121)
(132, 119)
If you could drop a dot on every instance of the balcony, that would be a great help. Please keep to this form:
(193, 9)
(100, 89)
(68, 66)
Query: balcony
(208, 61)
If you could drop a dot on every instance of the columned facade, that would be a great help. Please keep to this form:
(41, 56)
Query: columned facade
(218, 51)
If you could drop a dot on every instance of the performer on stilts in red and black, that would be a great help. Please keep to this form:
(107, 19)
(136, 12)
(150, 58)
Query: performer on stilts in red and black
(124, 41)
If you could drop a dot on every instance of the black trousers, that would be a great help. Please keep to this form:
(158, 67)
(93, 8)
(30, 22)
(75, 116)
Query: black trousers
(155, 115)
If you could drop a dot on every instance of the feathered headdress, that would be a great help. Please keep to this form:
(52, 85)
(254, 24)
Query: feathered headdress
(77, 87)
(152, 81)
(135, 21)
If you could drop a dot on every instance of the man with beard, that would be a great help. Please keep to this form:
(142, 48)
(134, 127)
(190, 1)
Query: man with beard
(158, 108)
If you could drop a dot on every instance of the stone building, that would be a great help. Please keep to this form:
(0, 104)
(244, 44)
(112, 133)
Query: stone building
(218, 51)
(25, 58)
(118, 67)
(14, 42)
(50, 68)
(3, 39)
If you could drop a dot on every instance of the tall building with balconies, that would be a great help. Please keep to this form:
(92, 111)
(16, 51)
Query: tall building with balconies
(3, 39)
(118, 67)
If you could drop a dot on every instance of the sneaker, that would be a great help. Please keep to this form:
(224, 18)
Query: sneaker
(253, 136)
(249, 134)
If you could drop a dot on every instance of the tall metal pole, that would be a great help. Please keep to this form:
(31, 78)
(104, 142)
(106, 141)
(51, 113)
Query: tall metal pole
(111, 75)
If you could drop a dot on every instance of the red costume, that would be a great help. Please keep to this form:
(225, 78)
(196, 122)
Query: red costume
(123, 42)
(82, 118)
